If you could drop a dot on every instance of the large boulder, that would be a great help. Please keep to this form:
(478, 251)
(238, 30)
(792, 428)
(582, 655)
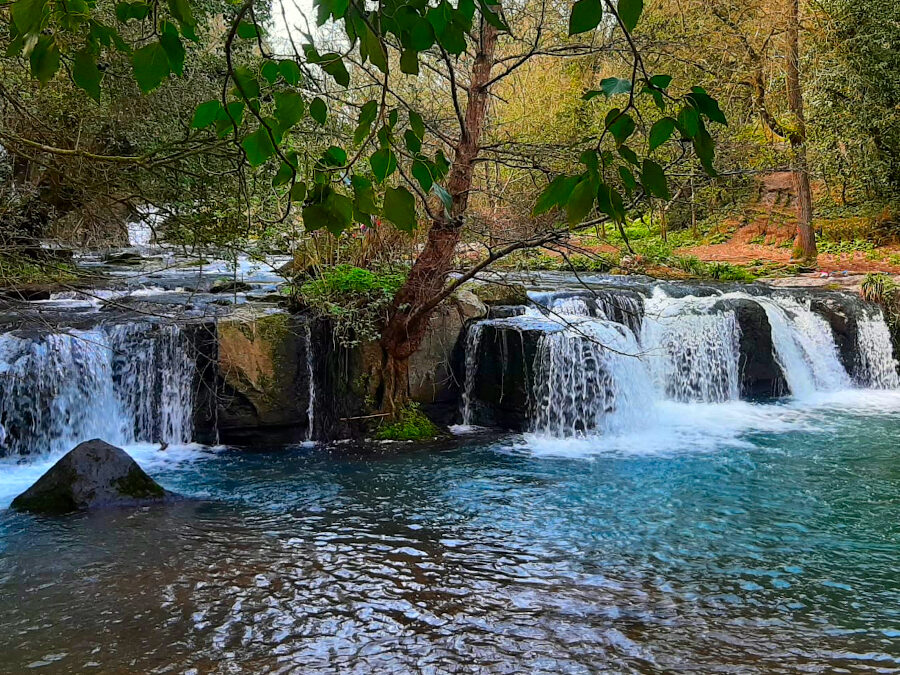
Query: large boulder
(761, 376)
(431, 374)
(500, 293)
(263, 377)
(94, 474)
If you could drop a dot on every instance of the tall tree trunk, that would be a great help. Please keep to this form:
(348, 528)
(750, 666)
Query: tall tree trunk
(805, 243)
(407, 323)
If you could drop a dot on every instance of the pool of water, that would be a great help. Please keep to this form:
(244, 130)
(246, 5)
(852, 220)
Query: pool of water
(734, 538)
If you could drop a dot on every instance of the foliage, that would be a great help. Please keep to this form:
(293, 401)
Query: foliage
(357, 300)
(409, 424)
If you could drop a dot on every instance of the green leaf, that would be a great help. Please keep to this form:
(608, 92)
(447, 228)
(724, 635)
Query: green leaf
(661, 132)
(409, 62)
(707, 105)
(86, 74)
(181, 10)
(620, 125)
(364, 194)
(224, 125)
(580, 201)
(333, 64)
(374, 49)
(615, 85)
(555, 194)
(661, 81)
(441, 165)
(29, 15)
(417, 124)
(367, 115)
(126, 11)
(383, 163)
(44, 59)
(270, 71)
(630, 12)
(400, 208)
(298, 192)
(629, 155)
(654, 180)
(151, 66)
(421, 36)
(586, 15)
(413, 143)
(318, 110)
(247, 30)
(689, 121)
(174, 49)
(609, 201)
(334, 213)
(444, 196)
(258, 147)
(628, 178)
(286, 170)
(289, 108)
(290, 71)
(705, 149)
(491, 16)
(246, 84)
(334, 156)
(422, 173)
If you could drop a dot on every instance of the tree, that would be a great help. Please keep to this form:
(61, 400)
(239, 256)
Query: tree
(467, 49)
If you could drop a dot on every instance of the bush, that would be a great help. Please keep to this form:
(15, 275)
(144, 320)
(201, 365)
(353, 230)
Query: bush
(355, 299)
(411, 425)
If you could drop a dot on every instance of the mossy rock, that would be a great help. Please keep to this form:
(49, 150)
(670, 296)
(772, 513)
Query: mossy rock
(411, 424)
(501, 294)
(93, 475)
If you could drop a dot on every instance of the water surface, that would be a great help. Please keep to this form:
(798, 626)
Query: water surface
(740, 538)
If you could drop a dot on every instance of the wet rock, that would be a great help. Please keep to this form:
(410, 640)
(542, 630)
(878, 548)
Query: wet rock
(761, 376)
(505, 311)
(261, 378)
(431, 373)
(230, 286)
(93, 475)
(29, 293)
(124, 258)
(501, 293)
(504, 376)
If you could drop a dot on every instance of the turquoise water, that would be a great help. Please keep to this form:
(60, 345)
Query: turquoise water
(724, 538)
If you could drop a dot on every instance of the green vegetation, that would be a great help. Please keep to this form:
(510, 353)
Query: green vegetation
(357, 300)
(410, 424)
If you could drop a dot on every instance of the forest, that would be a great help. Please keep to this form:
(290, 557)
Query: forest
(407, 143)
(449, 336)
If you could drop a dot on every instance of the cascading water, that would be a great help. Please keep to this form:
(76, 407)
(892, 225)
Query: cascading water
(588, 379)
(618, 356)
(693, 352)
(311, 374)
(804, 347)
(124, 383)
(876, 366)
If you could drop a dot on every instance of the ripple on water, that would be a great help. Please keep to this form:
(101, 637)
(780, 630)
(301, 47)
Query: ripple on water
(773, 552)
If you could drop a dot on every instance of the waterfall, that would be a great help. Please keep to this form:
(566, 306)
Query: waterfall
(693, 352)
(804, 348)
(606, 360)
(876, 366)
(473, 342)
(588, 378)
(124, 383)
(311, 374)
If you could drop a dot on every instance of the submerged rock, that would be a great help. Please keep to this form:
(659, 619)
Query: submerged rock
(93, 475)
(227, 286)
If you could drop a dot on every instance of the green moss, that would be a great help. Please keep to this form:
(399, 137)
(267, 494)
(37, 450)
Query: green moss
(139, 485)
(501, 294)
(50, 503)
(411, 425)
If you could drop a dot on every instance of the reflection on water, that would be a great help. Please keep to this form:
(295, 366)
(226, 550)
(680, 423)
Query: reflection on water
(774, 552)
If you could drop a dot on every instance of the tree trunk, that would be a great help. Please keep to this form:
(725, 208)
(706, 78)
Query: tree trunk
(407, 323)
(805, 242)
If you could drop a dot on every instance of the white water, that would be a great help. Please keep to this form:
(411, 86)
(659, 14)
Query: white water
(311, 374)
(124, 383)
(675, 362)
(473, 342)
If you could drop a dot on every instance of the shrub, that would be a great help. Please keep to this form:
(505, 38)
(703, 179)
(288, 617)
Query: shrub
(355, 299)
(411, 424)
